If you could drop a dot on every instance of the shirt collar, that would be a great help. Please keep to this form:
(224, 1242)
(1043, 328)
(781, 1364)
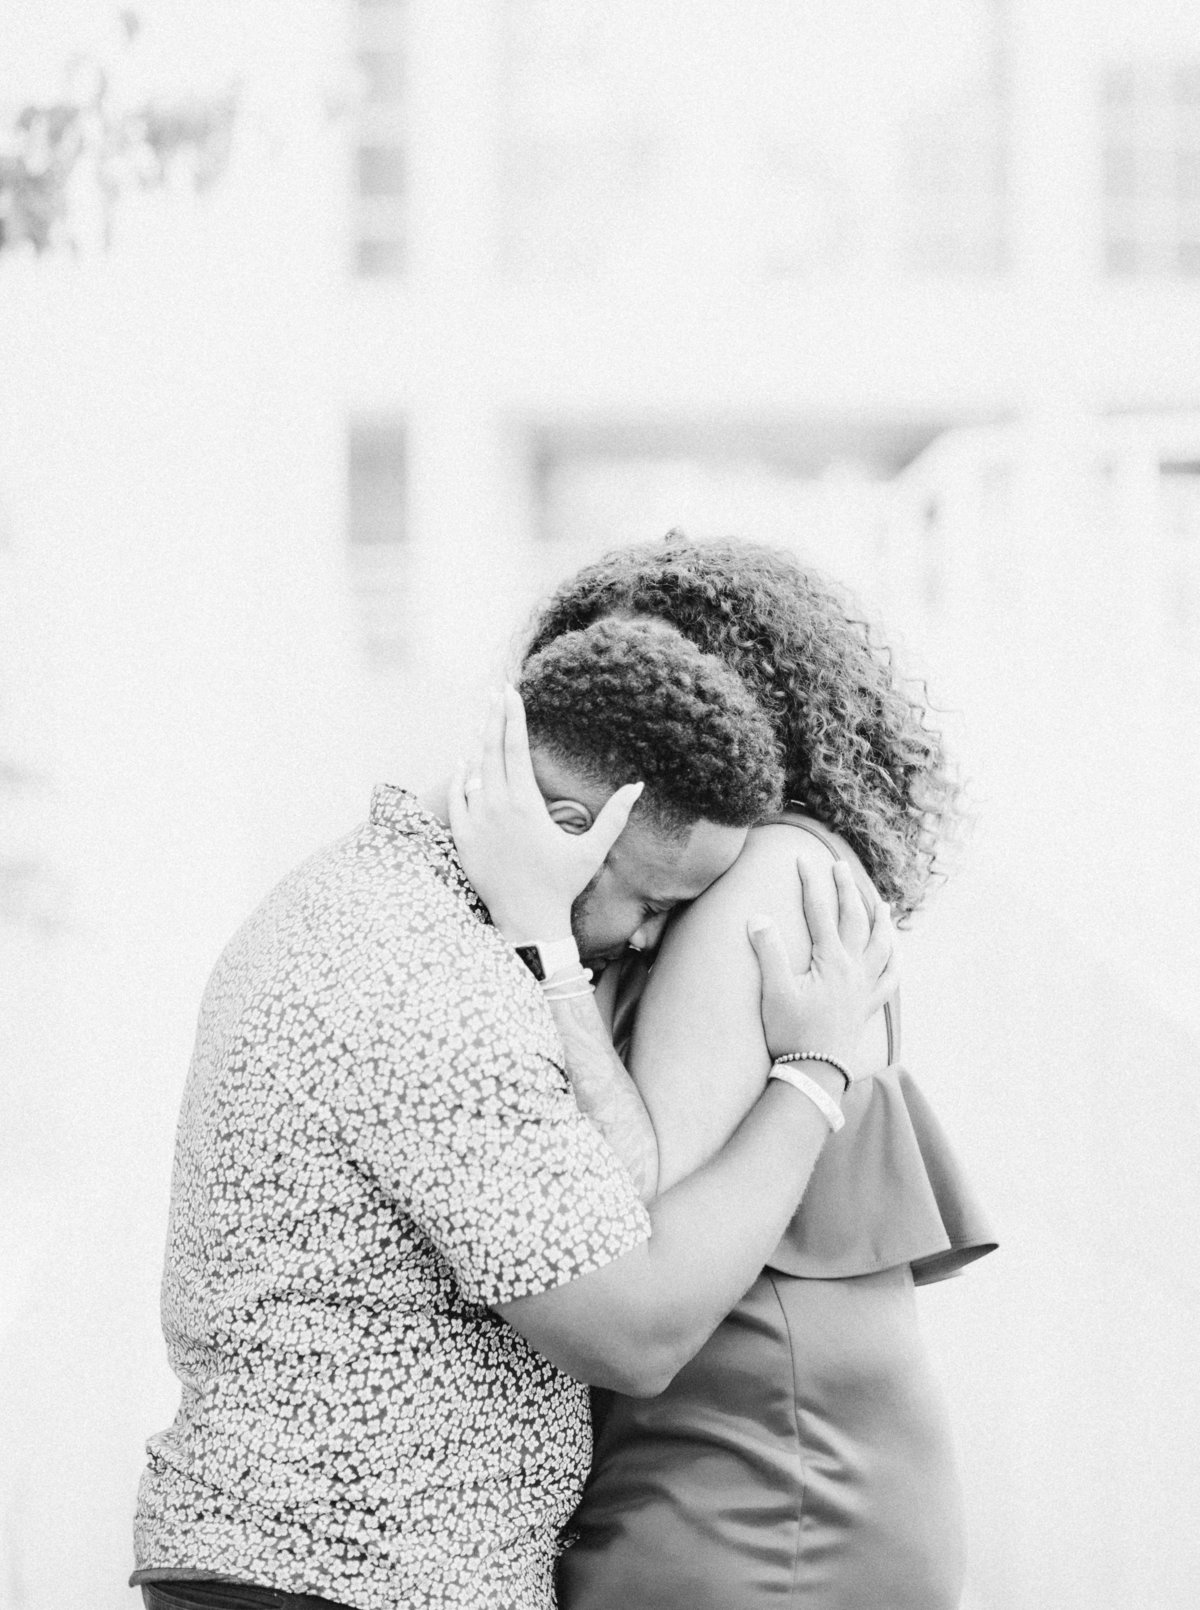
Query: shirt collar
(399, 810)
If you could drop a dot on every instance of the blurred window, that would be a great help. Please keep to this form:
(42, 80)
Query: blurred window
(583, 93)
(1180, 498)
(1179, 520)
(382, 76)
(377, 551)
(956, 154)
(822, 486)
(380, 171)
(377, 480)
(1151, 168)
(381, 158)
(836, 136)
(374, 258)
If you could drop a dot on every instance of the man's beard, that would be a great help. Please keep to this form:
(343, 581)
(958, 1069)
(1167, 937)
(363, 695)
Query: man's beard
(579, 910)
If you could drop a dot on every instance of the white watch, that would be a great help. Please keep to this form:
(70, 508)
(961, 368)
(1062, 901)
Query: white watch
(548, 956)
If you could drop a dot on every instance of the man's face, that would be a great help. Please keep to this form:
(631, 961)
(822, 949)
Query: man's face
(646, 875)
(647, 872)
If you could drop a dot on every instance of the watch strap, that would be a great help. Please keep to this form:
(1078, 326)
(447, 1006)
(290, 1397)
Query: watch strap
(546, 957)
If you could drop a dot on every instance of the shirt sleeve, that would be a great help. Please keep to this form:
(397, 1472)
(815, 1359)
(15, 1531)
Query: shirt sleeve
(460, 1109)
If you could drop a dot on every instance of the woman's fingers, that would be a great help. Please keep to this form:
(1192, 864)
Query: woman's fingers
(491, 769)
(820, 898)
(610, 822)
(886, 984)
(880, 947)
(517, 762)
(456, 800)
(854, 923)
(773, 963)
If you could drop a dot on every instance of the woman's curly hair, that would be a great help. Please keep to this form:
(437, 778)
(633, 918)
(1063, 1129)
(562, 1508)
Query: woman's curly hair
(629, 700)
(861, 754)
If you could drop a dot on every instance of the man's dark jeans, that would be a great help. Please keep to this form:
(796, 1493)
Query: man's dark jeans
(228, 1596)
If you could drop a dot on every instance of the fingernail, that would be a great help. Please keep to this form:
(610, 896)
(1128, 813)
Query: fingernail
(758, 924)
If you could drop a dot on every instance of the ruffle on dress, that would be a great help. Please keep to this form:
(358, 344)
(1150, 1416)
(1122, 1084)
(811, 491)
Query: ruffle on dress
(887, 1189)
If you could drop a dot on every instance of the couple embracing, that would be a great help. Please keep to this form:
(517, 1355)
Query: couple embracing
(584, 1074)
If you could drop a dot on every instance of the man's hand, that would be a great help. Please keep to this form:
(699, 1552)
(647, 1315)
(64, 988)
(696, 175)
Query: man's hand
(852, 970)
(525, 868)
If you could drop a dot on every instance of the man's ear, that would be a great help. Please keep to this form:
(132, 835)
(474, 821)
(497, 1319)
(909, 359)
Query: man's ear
(570, 814)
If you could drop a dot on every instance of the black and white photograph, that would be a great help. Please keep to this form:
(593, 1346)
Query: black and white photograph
(599, 805)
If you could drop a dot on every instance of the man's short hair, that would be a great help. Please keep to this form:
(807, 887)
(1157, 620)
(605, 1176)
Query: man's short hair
(633, 700)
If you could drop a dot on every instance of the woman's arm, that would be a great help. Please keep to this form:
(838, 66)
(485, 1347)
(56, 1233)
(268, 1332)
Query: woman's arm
(634, 1323)
(528, 871)
(699, 1056)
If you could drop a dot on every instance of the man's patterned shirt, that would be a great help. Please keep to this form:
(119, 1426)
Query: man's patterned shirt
(377, 1146)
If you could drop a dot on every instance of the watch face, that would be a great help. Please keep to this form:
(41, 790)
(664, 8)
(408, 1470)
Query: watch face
(532, 957)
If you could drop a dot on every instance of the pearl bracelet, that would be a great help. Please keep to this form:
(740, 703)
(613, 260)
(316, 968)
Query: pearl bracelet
(821, 1099)
(819, 1056)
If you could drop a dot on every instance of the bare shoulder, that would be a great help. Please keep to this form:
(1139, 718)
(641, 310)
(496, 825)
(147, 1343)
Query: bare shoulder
(764, 879)
(699, 1054)
(705, 961)
(779, 842)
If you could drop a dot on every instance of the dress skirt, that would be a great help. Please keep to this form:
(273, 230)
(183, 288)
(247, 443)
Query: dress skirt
(802, 1459)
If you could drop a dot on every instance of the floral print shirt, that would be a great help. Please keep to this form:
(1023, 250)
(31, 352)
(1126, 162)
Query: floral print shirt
(377, 1145)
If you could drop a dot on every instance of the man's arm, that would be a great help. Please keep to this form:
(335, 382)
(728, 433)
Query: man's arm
(604, 1091)
(633, 1324)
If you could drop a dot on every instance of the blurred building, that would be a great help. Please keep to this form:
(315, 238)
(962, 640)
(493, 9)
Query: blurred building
(912, 287)
(877, 223)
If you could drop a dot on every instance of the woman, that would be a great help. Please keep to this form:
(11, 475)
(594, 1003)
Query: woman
(802, 1458)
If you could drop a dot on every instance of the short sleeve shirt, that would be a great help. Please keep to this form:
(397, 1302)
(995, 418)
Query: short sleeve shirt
(377, 1145)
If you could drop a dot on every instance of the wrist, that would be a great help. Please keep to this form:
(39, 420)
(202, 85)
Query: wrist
(811, 1058)
(817, 1093)
(552, 959)
(787, 1105)
(801, 1037)
(822, 1073)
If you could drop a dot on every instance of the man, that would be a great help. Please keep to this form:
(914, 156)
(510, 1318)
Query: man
(397, 1245)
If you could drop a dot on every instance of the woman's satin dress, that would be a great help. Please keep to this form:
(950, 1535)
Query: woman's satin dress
(803, 1458)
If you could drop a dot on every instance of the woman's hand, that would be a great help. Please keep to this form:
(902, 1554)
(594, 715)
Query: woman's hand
(526, 869)
(852, 970)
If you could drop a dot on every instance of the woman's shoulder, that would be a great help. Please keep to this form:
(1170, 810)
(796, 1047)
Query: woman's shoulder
(784, 842)
(765, 880)
(793, 825)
